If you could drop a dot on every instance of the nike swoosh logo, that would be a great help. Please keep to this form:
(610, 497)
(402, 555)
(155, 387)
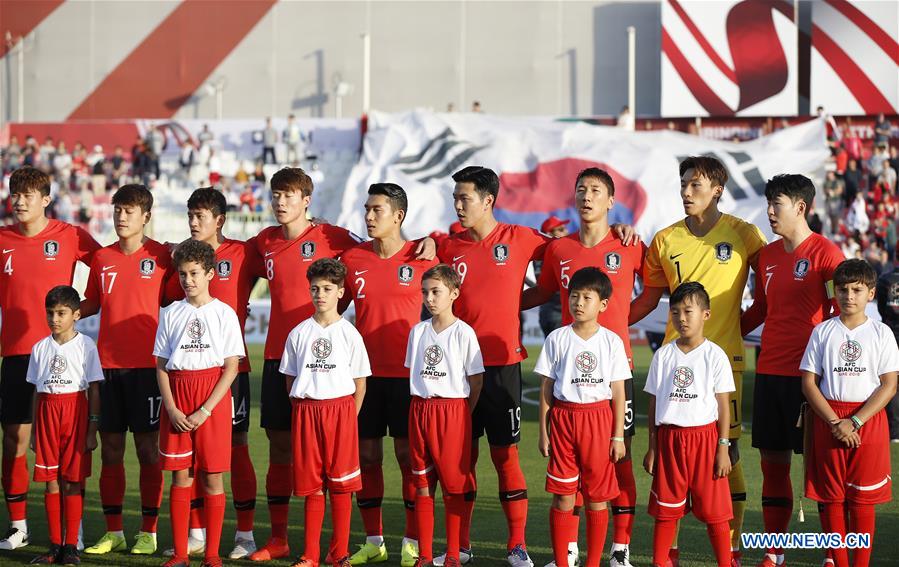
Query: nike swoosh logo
(516, 495)
(458, 257)
(673, 256)
(154, 421)
(360, 273)
(563, 262)
(5, 251)
(267, 254)
(769, 268)
(107, 267)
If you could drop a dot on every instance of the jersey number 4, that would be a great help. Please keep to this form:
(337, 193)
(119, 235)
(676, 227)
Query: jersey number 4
(7, 267)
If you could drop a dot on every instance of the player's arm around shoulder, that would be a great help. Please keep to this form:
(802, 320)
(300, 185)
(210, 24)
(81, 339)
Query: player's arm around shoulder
(654, 281)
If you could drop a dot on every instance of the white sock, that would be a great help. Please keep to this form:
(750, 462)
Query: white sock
(198, 533)
(244, 535)
(21, 525)
(572, 547)
(409, 540)
(779, 559)
(618, 547)
(375, 540)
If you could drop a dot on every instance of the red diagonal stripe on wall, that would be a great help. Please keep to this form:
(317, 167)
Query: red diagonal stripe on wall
(164, 71)
(871, 29)
(697, 85)
(20, 17)
(703, 42)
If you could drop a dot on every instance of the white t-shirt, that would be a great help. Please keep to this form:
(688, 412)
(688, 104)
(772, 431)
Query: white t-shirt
(685, 384)
(583, 370)
(325, 360)
(440, 364)
(63, 369)
(197, 338)
(850, 362)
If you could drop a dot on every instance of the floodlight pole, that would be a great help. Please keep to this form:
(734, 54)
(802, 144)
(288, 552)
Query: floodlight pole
(366, 73)
(632, 71)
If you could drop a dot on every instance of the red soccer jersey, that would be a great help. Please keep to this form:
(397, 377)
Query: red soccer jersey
(387, 295)
(285, 264)
(32, 266)
(130, 289)
(621, 263)
(493, 272)
(797, 292)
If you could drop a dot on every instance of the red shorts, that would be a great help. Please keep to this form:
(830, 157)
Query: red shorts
(325, 446)
(440, 443)
(579, 440)
(60, 434)
(685, 472)
(207, 448)
(836, 473)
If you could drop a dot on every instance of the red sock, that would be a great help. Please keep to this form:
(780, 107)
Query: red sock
(663, 535)
(112, 494)
(150, 496)
(719, 535)
(341, 514)
(243, 487)
(777, 499)
(215, 517)
(513, 492)
(278, 485)
(833, 520)
(409, 501)
(624, 506)
(53, 508)
(179, 510)
(424, 514)
(17, 493)
(369, 499)
(197, 513)
(314, 517)
(560, 534)
(73, 507)
(861, 521)
(453, 506)
(597, 526)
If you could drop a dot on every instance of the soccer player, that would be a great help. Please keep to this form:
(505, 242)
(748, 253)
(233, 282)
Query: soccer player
(197, 348)
(128, 283)
(37, 254)
(384, 282)
(595, 244)
(793, 293)
(325, 365)
(63, 368)
(715, 249)
(848, 377)
(584, 366)
(446, 372)
(688, 382)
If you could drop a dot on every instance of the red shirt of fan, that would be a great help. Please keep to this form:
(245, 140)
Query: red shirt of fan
(796, 289)
(493, 272)
(130, 289)
(32, 266)
(387, 296)
(284, 265)
(565, 256)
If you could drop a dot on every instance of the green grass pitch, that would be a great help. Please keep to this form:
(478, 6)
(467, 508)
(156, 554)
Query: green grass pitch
(489, 529)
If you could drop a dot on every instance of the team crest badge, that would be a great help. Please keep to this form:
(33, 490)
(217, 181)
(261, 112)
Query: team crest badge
(196, 329)
(613, 261)
(51, 248)
(500, 253)
(433, 355)
(723, 251)
(850, 351)
(585, 361)
(147, 266)
(307, 249)
(223, 269)
(58, 364)
(406, 273)
(321, 348)
(801, 268)
(683, 376)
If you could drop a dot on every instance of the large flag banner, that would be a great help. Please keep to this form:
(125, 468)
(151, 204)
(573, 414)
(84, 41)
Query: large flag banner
(538, 159)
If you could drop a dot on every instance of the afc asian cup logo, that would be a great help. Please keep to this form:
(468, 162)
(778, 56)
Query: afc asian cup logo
(406, 273)
(723, 251)
(307, 249)
(58, 365)
(433, 355)
(51, 248)
(196, 329)
(147, 266)
(683, 376)
(850, 351)
(223, 268)
(500, 252)
(321, 348)
(801, 268)
(585, 361)
(613, 261)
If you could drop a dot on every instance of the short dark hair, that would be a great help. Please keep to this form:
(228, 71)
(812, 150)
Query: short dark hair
(134, 194)
(484, 179)
(693, 290)
(792, 185)
(27, 179)
(195, 251)
(327, 269)
(707, 167)
(854, 271)
(394, 193)
(445, 274)
(591, 278)
(64, 295)
(208, 198)
(598, 173)
(292, 179)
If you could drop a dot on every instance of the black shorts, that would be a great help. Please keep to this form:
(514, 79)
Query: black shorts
(240, 403)
(630, 424)
(129, 400)
(776, 403)
(498, 412)
(385, 407)
(274, 407)
(16, 393)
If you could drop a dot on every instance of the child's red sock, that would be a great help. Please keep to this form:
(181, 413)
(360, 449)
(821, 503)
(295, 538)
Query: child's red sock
(53, 508)
(453, 507)
(663, 535)
(424, 514)
(314, 517)
(861, 521)
(833, 520)
(215, 517)
(179, 510)
(719, 535)
(597, 525)
(73, 509)
(341, 514)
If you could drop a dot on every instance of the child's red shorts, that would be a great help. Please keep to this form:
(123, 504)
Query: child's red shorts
(325, 437)
(60, 434)
(440, 443)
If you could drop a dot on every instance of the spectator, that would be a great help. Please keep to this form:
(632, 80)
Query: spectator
(877, 159)
(851, 141)
(13, 154)
(259, 173)
(48, 152)
(882, 130)
(857, 220)
(852, 180)
(96, 162)
(476, 107)
(894, 158)
(876, 256)
(833, 131)
(186, 159)
(118, 167)
(841, 159)
(834, 188)
(626, 119)
(154, 146)
(293, 137)
(888, 177)
(269, 139)
(62, 163)
(205, 137)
